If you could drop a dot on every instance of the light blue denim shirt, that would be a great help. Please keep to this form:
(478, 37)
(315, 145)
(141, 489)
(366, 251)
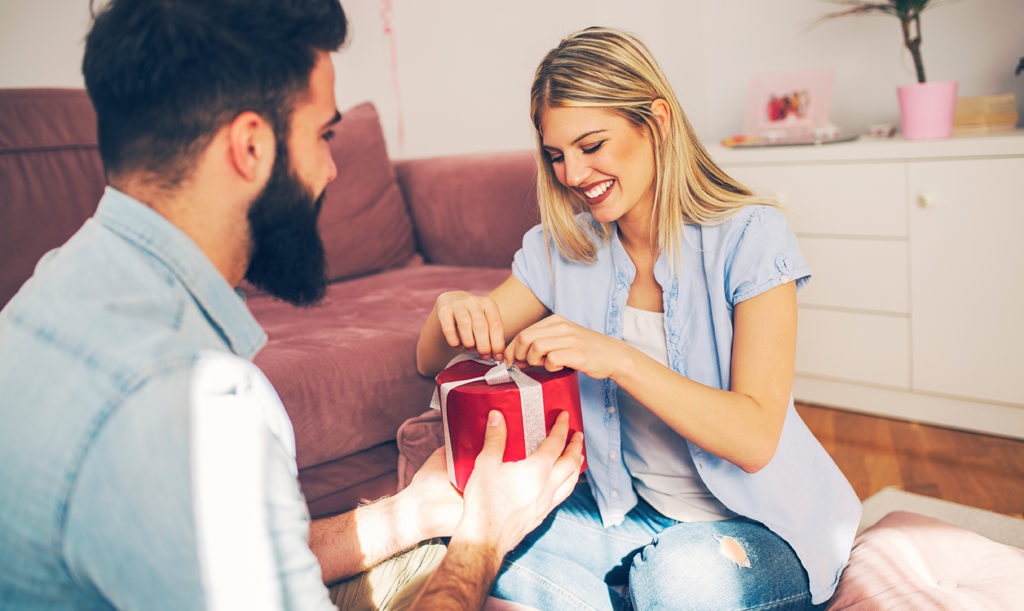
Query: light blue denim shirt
(144, 461)
(801, 494)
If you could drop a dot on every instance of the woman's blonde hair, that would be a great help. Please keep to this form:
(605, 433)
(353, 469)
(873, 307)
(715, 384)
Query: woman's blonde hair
(605, 68)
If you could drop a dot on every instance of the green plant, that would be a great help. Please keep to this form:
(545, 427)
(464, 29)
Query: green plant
(907, 11)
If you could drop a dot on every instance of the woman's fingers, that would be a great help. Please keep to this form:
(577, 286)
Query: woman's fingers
(464, 323)
(495, 330)
(471, 322)
(542, 350)
(446, 318)
(556, 343)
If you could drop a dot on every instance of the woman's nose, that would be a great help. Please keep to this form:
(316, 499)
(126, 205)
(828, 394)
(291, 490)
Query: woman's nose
(576, 170)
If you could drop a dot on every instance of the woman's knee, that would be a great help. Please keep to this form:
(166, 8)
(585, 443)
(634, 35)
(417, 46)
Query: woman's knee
(705, 566)
(687, 571)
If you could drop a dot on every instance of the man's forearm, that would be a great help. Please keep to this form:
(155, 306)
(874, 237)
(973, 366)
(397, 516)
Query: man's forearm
(463, 579)
(352, 542)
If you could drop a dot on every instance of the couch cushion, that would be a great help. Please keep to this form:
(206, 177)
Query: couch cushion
(363, 222)
(911, 561)
(471, 209)
(346, 369)
(51, 177)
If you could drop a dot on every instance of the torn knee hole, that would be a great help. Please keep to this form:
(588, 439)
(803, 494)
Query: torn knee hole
(731, 549)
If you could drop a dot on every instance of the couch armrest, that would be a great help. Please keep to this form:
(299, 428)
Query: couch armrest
(470, 209)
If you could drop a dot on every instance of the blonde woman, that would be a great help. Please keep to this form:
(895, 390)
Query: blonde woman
(671, 288)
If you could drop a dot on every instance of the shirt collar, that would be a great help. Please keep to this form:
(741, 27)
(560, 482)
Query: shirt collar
(151, 232)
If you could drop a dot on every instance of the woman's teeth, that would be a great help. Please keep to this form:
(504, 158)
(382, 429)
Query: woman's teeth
(598, 190)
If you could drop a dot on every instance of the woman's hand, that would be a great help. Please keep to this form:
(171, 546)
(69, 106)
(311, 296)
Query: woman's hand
(471, 322)
(556, 342)
(461, 320)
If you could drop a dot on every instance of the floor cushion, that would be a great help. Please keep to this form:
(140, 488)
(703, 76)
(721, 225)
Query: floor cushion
(911, 561)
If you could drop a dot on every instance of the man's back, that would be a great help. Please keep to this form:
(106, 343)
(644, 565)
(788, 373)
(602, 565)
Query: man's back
(110, 475)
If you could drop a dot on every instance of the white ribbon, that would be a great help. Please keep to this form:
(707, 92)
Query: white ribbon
(531, 397)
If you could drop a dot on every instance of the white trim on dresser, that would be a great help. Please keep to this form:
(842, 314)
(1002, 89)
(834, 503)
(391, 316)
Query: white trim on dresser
(917, 310)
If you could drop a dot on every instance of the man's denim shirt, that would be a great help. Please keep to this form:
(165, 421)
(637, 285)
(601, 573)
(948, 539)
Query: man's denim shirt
(800, 494)
(144, 461)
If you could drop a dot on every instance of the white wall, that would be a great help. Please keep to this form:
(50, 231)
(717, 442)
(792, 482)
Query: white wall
(465, 66)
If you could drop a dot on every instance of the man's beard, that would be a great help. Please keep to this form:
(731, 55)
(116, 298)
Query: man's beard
(287, 258)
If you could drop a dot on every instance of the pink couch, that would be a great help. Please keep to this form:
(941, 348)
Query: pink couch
(396, 234)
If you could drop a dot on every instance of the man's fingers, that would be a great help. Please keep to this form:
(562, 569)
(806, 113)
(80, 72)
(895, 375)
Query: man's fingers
(571, 459)
(494, 439)
(564, 489)
(552, 446)
(566, 471)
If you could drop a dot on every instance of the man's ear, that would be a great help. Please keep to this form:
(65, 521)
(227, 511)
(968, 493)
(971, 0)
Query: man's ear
(662, 114)
(251, 146)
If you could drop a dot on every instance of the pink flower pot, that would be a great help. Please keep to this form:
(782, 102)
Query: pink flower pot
(926, 109)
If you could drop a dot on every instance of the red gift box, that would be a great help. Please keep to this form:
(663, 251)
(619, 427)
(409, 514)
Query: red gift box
(530, 399)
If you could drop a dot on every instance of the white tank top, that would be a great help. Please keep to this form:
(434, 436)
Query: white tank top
(657, 457)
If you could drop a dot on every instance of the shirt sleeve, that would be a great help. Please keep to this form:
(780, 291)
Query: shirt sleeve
(187, 498)
(765, 255)
(532, 266)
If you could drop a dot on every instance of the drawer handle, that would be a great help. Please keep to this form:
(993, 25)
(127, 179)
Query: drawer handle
(927, 200)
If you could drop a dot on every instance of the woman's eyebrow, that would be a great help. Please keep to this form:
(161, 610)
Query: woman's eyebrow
(590, 133)
(581, 137)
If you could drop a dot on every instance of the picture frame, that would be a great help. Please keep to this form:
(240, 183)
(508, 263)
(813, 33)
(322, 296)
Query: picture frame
(790, 105)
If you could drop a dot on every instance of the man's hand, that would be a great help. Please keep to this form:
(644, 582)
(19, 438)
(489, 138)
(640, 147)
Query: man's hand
(505, 501)
(439, 504)
(429, 507)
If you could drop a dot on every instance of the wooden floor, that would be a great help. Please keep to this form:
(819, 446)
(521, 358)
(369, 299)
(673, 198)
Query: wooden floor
(967, 468)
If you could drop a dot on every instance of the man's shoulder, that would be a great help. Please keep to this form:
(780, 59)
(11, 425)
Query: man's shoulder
(95, 265)
(104, 306)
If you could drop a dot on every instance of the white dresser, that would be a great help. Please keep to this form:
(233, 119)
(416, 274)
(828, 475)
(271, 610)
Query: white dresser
(916, 309)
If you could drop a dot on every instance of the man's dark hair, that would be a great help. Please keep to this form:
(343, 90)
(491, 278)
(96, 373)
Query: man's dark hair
(165, 75)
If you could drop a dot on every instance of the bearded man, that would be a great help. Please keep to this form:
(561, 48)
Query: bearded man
(145, 462)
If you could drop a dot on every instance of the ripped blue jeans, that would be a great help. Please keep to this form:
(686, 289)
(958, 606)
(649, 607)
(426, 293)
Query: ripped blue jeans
(650, 562)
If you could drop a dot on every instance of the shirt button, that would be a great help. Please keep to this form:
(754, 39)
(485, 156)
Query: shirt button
(613, 455)
(611, 410)
(614, 494)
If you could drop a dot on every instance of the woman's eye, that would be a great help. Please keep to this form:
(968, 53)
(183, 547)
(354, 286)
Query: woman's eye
(553, 158)
(328, 135)
(593, 149)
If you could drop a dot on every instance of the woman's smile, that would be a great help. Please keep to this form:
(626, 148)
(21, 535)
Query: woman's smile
(597, 193)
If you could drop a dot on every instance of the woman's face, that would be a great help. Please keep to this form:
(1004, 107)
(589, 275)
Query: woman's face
(602, 158)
